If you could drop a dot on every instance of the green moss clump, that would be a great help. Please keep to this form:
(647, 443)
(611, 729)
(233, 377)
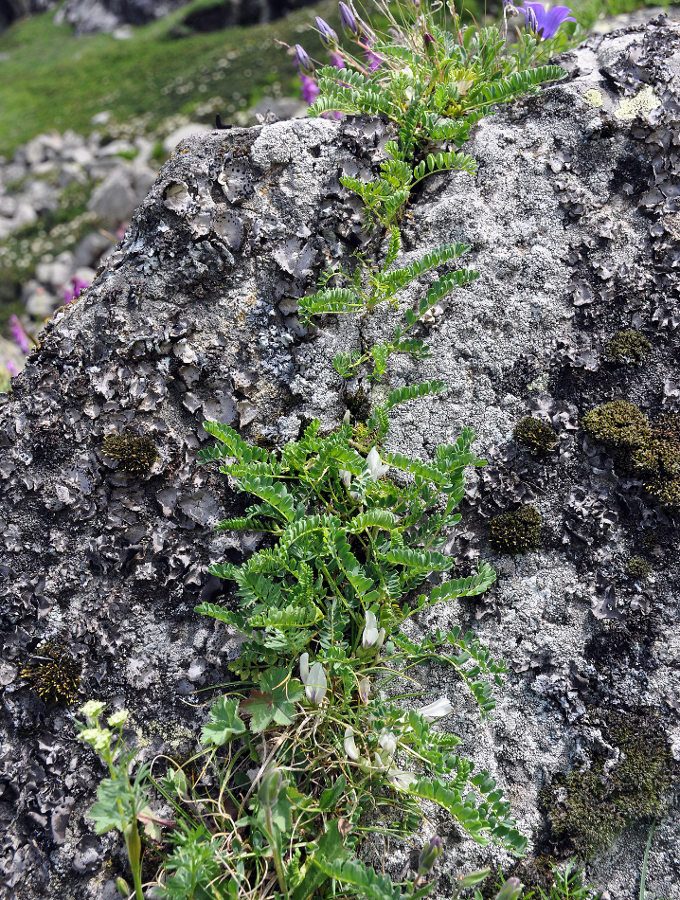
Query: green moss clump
(535, 436)
(650, 452)
(638, 568)
(667, 493)
(657, 458)
(136, 454)
(517, 532)
(628, 347)
(55, 677)
(588, 809)
(618, 424)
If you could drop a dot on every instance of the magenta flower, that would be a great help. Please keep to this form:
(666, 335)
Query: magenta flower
(78, 287)
(310, 89)
(374, 61)
(11, 368)
(545, 22)
(19, 334)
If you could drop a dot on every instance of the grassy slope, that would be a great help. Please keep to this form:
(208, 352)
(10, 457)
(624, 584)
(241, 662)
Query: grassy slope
(50, 79)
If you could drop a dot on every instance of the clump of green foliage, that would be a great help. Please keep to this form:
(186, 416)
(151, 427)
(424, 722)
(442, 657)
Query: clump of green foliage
(619, 425)
(136, 454)
(638, 568)
(649, 452)
(628, 347)
(588, 809)
(55, 673)
(434, 82)
(535, 435)
(309, 750)
(321, 610)
(516, 532)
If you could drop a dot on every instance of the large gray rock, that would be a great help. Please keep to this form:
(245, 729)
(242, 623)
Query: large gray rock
(573, 222)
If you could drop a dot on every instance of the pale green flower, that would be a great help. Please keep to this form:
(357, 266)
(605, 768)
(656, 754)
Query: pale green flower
(89, 735)
(102, 741)
(92, 709)
(118, 719)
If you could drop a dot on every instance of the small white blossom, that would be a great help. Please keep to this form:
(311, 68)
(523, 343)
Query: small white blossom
(345, 477)
(436, 710)
(304, 667)
(388, 742)
(402, 781)
(375, 467)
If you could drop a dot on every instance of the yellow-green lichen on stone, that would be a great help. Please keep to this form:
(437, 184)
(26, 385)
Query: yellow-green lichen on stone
(644, 101)
(593, 98)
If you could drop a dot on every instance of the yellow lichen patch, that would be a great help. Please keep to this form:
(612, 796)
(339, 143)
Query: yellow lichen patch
(644, 101)
(593, 98)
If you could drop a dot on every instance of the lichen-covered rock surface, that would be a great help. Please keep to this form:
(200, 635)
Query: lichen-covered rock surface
(574, 224)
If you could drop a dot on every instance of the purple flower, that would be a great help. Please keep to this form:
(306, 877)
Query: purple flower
(328, 36)
(545, 22)
(349, 23)
(19, 334)
(305, 64)
(310, 89)
(337, 60)
(11, 368)
(78, 287)
(374, 61)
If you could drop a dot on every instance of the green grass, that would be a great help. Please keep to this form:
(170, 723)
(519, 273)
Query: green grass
(52, 80)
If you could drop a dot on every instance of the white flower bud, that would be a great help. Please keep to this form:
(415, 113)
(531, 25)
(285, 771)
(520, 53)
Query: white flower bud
(370, 636)
(304, 667)
(364, 689)
(316, 684)
(350, 746)
(345, 477)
